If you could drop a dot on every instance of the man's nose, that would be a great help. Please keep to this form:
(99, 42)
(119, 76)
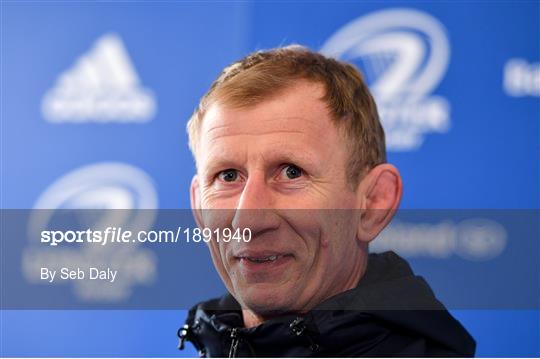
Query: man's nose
(254, 209)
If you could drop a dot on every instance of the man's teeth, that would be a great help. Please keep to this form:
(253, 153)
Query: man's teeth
(262, 259)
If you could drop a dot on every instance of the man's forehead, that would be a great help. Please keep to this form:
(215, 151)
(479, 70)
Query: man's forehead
(273, 138)
(297, 110)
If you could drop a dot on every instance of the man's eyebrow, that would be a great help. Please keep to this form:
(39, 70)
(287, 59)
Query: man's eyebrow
(303, 158)
(218, 163)
(222, 161)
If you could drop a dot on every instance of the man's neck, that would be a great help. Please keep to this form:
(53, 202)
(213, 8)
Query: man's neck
(251, 319)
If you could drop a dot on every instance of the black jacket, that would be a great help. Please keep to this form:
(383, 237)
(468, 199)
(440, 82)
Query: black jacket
(391, 312)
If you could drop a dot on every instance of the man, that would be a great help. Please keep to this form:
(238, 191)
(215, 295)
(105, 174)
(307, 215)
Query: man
(288, 143)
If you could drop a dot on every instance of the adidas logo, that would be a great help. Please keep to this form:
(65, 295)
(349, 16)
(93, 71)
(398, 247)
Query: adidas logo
(102, 86)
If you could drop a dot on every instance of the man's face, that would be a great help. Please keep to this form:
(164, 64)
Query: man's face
(278, 167)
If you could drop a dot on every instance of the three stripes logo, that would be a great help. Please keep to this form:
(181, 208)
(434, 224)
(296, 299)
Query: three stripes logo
(102, 86)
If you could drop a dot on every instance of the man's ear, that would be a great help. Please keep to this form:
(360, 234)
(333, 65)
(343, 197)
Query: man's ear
(195, 198)
(379, 194)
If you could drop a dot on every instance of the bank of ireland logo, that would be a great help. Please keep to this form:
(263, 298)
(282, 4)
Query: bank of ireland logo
(101, 86)
(98, 196)
(474, 239)
(404, 55)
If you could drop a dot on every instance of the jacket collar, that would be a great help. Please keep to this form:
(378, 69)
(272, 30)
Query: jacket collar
(388, 296)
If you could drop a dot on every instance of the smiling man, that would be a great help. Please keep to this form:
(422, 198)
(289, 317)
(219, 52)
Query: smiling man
(288, 143)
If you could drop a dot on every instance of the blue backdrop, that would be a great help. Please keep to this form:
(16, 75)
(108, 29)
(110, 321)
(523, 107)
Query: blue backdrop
(95, 98)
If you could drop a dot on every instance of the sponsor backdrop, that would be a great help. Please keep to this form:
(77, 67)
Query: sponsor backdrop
(95, 98)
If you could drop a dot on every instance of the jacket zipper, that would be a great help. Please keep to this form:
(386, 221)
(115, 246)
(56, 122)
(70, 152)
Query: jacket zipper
(183, 334)
(298, 328)
(234, 343)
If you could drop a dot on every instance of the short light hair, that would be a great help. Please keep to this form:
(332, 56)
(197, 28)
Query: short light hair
(264, 74)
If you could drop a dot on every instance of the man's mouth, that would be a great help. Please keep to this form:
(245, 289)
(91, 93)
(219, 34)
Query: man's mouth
(262, 265)
(271, 258)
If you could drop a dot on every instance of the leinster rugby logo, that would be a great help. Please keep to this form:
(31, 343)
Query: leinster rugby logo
(404, 55)
(100, 196)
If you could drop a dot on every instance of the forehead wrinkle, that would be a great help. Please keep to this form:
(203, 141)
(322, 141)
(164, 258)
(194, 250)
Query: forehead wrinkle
(303, 121)
(223, 135)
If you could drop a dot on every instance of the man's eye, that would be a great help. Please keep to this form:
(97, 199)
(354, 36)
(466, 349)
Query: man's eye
(229, 175)
(292, 171)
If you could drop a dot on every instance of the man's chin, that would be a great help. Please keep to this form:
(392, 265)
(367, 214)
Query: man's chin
(266, 302)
